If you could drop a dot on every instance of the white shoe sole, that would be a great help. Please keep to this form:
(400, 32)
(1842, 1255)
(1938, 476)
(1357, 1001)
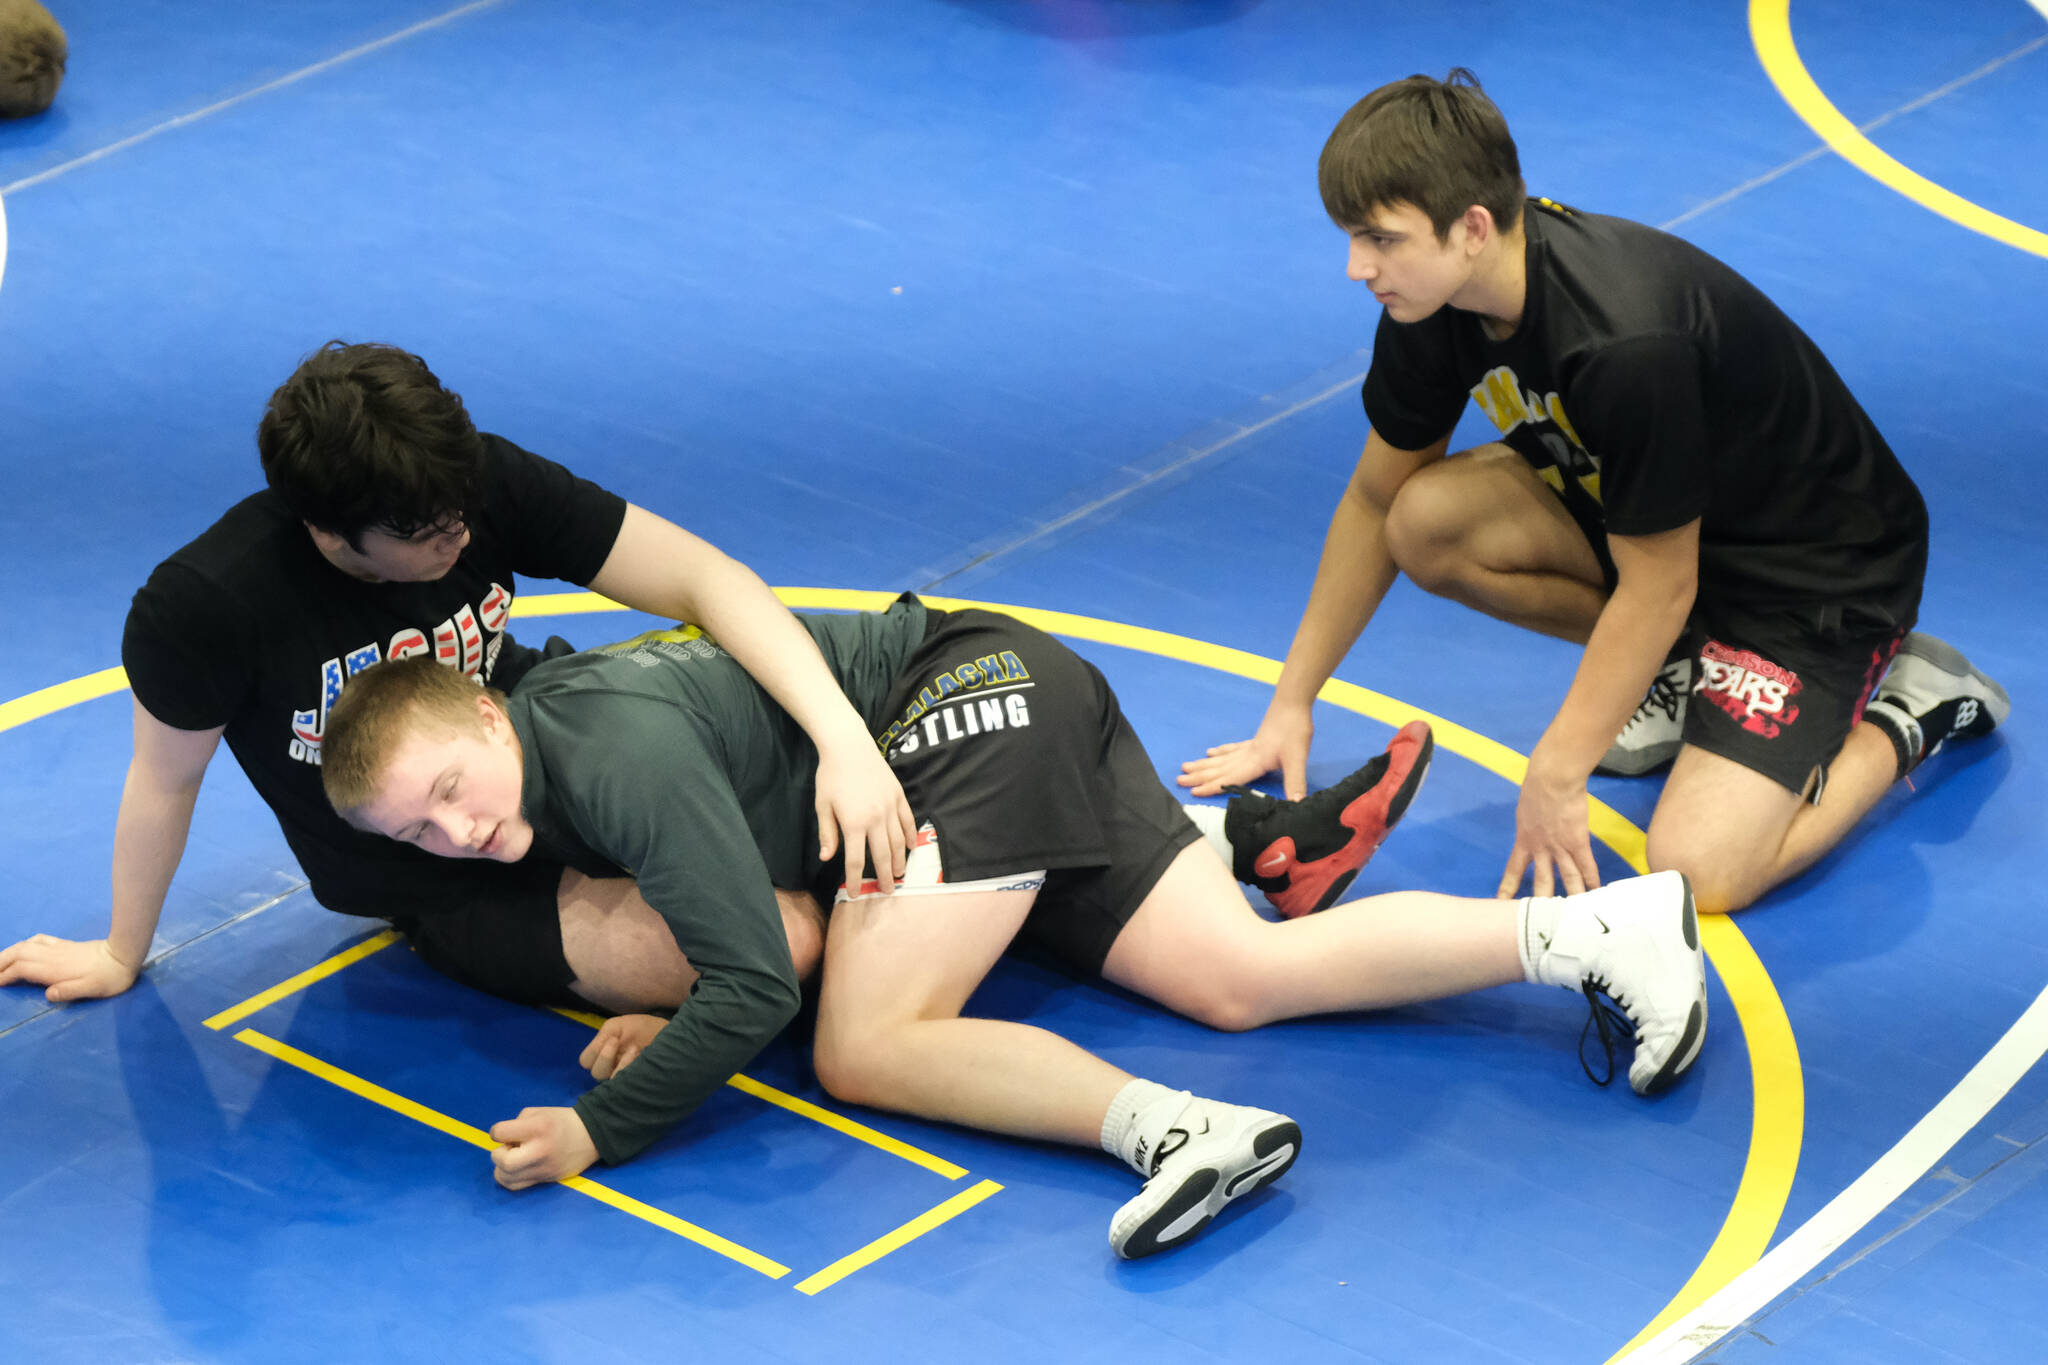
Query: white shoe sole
(1693, 1036)
(1160, 1220)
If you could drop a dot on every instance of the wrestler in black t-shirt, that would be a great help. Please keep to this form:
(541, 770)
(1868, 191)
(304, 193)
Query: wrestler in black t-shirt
(1681, 483)
(1649, 384)
(251, 628)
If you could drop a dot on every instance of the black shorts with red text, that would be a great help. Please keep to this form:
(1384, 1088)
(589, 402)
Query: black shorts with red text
(1017, 752)
(1779, 691)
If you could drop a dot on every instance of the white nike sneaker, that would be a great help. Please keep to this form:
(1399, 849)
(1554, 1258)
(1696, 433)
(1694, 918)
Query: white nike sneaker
(1655, 732)
(1214, 1153)
(1636, 942)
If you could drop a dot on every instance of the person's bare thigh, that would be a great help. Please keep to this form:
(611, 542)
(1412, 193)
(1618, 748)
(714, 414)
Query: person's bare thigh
(1721, 824)
(1486, 507)
(908, 956)
(623, 957)
(1194, 918)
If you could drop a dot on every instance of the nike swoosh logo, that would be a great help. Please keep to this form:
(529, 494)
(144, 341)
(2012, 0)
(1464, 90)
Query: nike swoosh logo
(1244, 1179)
(1272, 865)
(1601, 922)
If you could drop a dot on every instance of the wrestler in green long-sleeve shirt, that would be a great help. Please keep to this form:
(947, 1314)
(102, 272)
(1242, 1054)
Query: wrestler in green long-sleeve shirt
(662, 758)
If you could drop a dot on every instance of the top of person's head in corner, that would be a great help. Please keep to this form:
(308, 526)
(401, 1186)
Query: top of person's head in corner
(1440, 146)
(364, 439)
(416, 751)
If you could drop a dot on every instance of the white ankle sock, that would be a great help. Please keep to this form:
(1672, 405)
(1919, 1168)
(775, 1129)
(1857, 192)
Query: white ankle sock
(1209, 820)
(1536, 927)
(1137, 1121)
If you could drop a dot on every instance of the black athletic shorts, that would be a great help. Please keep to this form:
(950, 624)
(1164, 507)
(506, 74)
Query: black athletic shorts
(504, 937)
(1779, 691)
(1776, 691)
(1013, 747)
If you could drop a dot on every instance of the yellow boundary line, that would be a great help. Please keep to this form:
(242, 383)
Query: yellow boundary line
(36, 705)
(319, 971)
(839, 1123)
(1777, 1088)
(1770, 30)
(477, 1137)
(903, 1236)
(604, 1194)
(803, 1108)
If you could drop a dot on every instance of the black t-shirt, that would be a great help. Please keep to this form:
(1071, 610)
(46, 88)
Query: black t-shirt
(1649, 384)
(249, 627)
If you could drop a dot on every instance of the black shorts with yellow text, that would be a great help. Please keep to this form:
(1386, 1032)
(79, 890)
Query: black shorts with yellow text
(1014, 748)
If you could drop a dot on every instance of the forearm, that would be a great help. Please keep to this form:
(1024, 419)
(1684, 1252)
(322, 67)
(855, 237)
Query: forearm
(721, 1028)
(659, 568)
(149, 841)
(1352, 579)
(1628, 645)
(751, 624)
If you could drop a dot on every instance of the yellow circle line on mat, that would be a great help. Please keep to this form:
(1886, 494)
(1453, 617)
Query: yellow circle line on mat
(1770, 30)
(1777, 1089)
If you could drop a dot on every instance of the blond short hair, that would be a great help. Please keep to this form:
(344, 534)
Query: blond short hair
(380, 709)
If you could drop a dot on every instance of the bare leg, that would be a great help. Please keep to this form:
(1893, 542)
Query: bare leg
(623, 957)
(890, 1035)
(1196, 946)
(1736, 833)
(1482, 528)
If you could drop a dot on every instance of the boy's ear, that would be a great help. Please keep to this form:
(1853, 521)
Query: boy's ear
(488, 712)
(1479, 226)
(327, 541)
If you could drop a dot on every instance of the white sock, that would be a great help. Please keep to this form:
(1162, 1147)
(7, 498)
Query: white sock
(1137, 1122)
(1536, 927)
(1209, 820)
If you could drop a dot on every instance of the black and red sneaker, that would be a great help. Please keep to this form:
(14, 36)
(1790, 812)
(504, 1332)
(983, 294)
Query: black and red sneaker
(1304, 854)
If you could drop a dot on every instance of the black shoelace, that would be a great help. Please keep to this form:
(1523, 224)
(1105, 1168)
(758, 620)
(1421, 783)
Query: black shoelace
(1175, 1139)
(1610, 1021)
(1664, 695)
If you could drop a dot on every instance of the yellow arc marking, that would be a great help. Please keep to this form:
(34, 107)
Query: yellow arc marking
(1777, 1089)
(1770, 29)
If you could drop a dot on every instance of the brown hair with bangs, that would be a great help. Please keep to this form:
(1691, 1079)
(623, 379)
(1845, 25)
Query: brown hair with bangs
(1440, 145)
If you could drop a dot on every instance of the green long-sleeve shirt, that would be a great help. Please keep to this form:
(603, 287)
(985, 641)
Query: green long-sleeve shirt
(663, 758)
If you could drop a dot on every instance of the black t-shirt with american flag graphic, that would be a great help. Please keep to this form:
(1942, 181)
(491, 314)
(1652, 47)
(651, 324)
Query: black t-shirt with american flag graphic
(249, 627)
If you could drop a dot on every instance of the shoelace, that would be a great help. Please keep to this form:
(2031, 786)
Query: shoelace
(1664, 696)
(1175, 1139)
(1612, 1023)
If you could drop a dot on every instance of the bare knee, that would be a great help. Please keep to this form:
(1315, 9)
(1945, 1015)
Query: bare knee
(1230, 1013)
(1721, 883)
(1423, 533)
(1233, 997)
(853, 1063)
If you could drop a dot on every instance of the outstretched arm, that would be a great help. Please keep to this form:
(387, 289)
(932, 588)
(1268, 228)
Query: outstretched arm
(149, 840)
(657, 567)
(1659, 576)
(1353, 576)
